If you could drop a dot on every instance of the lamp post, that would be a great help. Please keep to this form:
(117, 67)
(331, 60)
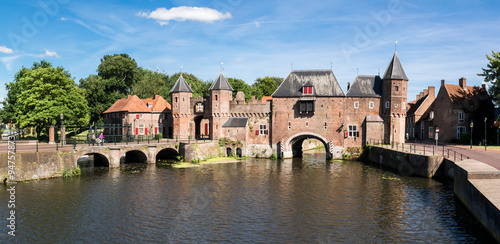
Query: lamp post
(485, 133)
(471, 128)
(62, 122)
(437, 133)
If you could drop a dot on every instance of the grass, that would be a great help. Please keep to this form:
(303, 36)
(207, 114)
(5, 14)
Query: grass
(209, 161)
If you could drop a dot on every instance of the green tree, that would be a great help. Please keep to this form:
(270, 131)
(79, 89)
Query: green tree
(150, 82)
(99, 96)
(240, 85)
(266, 86)
(492, 75)
(8, 113)
(119, 71)
(46, 92)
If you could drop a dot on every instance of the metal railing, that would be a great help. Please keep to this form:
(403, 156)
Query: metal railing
(422, 149)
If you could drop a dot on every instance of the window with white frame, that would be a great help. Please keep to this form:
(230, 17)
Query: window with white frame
(431, 132)
(356, 104)
(307, 123)
(431, 115)
(371, 105)
(387, 104)
(263, 130)
(141, 129)
(353, 130)
(461, 116)
(140, 116)
(461, 130)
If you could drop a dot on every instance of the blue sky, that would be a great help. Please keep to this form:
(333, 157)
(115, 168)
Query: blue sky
(436, 39)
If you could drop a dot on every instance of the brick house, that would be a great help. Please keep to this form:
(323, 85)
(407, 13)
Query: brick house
(452, 111)
(143, 117)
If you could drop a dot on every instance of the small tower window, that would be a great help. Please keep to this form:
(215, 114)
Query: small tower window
(356, 104)
(387, 104)
(397, 88)
(371, 105)
(216, 97)
(307, 123)
(175, 99)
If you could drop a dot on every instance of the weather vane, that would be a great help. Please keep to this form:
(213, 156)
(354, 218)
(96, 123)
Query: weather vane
(221, 68)
(395, 45)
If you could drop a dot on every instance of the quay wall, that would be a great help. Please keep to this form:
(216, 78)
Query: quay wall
(37, 165)
(476, 184)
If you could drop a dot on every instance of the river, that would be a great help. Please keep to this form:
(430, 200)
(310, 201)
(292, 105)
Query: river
(255, 200)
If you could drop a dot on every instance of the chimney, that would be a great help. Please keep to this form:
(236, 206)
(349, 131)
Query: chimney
(156, 96)
(483, 86)
(421, 94)
(128, 95)
(462, 82)
(442, 82)
(418, 97)
(348, 86)
(426, 92)
(432, 91)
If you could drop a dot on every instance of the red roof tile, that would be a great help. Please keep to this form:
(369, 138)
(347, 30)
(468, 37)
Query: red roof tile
(131, 104)
(158, 103)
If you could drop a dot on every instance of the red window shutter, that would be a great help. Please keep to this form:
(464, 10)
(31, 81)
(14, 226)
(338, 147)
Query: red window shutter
(123, 115)
(137, 116)
(310, 90)
(137, 131)
(357, 134)
(146, 131)
(346, 134)
(156, 130)
(256, 132)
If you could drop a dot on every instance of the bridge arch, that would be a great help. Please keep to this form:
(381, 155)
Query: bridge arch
(167, 154)
(293, 145)
(135, 156)
(93, 160)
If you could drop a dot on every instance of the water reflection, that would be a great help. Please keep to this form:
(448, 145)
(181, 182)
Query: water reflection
(301, 200)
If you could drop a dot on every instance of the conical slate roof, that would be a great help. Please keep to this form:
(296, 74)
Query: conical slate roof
(395, 70)
(181, 86)
(221, 84)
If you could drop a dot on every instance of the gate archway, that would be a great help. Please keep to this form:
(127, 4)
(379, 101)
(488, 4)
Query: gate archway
(293, 146)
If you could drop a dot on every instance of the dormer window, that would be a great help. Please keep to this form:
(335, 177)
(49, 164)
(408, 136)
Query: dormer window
(307, 90)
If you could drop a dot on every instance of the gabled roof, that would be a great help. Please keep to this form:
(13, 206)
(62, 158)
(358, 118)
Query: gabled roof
(324, 82)
(373, 118)
(221, 84)
(131, 104)
(457, 94)
(366, 86)
(395, 70)
(236, 122)
(158, 103)
(415, 106)
(181, 86)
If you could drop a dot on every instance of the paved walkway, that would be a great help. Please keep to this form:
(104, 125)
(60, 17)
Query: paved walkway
(490, 156)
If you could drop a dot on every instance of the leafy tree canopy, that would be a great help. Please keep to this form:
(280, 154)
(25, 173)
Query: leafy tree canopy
(8, 114)
(119, 71)
(240, 85)
(44, 93)
(98, 96)
(150, 82)
(492, 75)
(266, 86)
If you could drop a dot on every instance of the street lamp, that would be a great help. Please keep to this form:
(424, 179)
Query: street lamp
(62, 122)
(471, 128)
(437, 132)
(485, 133)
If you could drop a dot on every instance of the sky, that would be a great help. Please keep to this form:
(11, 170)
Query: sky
(435, 39)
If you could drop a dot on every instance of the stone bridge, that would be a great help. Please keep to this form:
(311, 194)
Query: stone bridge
(113, 156)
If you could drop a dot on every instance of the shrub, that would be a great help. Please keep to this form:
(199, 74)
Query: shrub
(346, 156)
(274, 156)
(158, 136)
(195, 161)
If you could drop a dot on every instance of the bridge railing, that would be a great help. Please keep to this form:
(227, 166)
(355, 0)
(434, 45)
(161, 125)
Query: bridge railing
(422, 149)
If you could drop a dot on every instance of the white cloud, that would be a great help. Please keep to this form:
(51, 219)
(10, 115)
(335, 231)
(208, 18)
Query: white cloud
(49, 54)
(4, 49)
(183, 13)
(239, 59)
(9, 61)
(63, 19)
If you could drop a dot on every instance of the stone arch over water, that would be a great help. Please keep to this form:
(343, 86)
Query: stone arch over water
(167, 154)
(293, 146)
(93, 160)
(135, 156)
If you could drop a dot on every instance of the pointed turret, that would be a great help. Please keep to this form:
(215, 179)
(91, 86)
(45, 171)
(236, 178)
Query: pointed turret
(395, 70)
(181, 86)
(221, 84)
